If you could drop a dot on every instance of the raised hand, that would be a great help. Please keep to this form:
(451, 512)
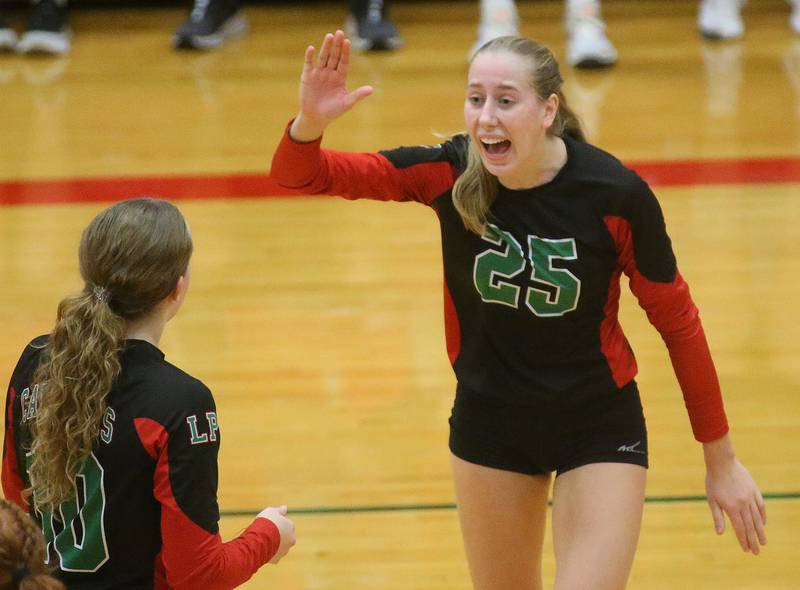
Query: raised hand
(323, 88)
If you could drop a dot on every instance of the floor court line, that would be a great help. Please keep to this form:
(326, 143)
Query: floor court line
(237, 186)
(322, 510)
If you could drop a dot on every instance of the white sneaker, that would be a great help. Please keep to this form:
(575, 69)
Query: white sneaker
(794, 18)
(720, 19)
(498, 19)
(587, 46)
(8, 38)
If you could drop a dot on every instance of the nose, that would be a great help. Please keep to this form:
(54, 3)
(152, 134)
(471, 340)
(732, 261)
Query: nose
(488, 114)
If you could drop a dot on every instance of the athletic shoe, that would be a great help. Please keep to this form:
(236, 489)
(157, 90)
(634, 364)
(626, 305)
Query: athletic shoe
(498, 19)
(370, 28)
(794, 19)
(48, 31)
(588, 47)
(8, 38)
(210, 24)
(720, 19)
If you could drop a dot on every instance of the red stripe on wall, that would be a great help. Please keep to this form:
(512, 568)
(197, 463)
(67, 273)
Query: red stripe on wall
(237, 186)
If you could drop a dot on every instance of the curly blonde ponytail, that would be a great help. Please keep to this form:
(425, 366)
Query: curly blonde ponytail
(131, 257)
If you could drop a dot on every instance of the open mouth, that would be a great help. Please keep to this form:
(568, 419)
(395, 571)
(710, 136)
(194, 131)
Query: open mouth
(496, 147)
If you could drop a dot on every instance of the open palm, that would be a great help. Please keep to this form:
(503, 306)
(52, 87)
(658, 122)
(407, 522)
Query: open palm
(323, 84)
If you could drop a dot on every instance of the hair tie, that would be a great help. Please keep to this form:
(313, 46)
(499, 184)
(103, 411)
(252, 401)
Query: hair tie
(100, 293)
(20, 574)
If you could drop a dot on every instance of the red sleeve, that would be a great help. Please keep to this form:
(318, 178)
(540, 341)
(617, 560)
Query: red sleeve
(670, 309)
(193, 557)
(308, 168)
(12, 480)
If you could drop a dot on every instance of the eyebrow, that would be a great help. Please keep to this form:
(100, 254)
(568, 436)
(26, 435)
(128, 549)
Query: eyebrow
(500, 86)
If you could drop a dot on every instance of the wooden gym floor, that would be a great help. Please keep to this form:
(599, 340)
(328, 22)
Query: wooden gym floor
(317, 322)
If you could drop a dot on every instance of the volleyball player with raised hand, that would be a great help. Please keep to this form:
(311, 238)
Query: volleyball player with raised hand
(537, 227)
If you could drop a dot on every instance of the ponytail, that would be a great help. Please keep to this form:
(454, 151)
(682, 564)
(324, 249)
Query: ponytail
(80, 364)
(131, 257)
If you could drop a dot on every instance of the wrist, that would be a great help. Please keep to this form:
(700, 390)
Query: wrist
(718, 453)
(305, 129)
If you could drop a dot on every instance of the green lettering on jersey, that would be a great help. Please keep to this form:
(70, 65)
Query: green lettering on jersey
(107, 431)
(213, 427)
(76, 528)
(194, 436)
(562, 290)
(491, 266)
(566, 286)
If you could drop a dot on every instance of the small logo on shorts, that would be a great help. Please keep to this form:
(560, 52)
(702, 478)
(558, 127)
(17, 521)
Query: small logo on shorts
(631, 448)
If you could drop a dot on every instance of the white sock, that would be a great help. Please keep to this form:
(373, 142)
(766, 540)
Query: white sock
(589, 9)
(490, 7)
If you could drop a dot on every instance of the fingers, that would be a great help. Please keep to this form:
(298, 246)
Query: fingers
(740, 530)
(334, 47)
(309, 58)
(717, 515)
(283, 509)
(759, 520)
(336, 50)
(344, 61)
(750, 531)
(762, 507)
(357, 95)
(325, 51)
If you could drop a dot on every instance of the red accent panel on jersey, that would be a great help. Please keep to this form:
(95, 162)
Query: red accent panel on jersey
(613, 343)
(670, 309)
(452, 329)
(12, 482)
(308, 168)
(192, 557)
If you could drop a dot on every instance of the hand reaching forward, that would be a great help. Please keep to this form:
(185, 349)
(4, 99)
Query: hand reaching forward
(323, 88)
(277, 514)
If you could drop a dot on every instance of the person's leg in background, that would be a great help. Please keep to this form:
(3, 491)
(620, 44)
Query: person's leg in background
(588, 47)
(8, 38)
(370, 27)
(720, 19)
(48, 29)
(210, 24)
(498, 19)
(587, 44)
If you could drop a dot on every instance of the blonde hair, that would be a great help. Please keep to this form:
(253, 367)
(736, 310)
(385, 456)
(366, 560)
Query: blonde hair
(131, 257)
(22, 552)
(476, 189)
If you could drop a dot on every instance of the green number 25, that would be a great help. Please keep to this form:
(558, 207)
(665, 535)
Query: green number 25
(552, 292)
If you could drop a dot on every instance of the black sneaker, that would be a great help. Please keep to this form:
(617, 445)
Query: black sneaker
(370, 28)
(48, 31)
(210, 24)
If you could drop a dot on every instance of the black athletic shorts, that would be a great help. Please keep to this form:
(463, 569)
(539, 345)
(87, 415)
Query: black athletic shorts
(552, 436)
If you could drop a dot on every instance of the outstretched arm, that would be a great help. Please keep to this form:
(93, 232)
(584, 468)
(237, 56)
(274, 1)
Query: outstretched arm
(323, 88)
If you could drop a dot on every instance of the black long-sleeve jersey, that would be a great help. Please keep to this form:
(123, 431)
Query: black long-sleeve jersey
(531, 306)
(145, 511)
